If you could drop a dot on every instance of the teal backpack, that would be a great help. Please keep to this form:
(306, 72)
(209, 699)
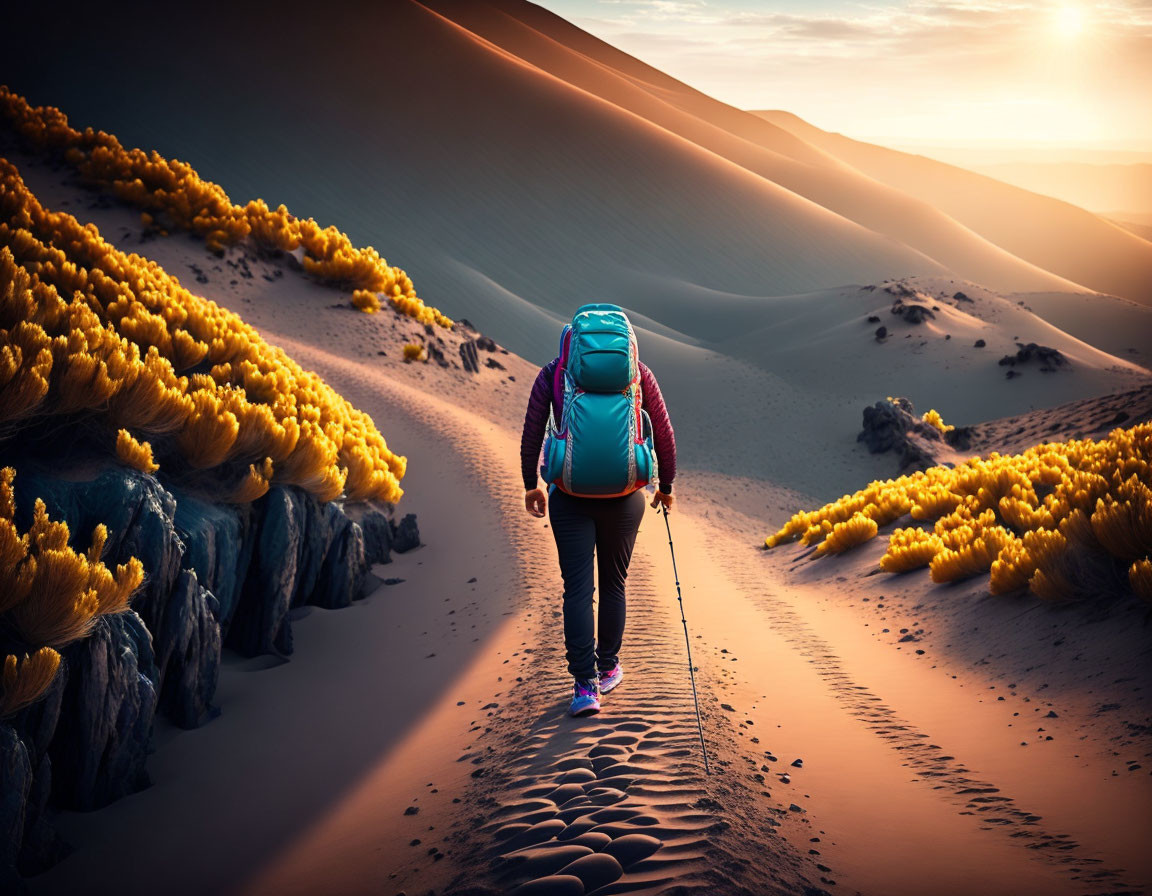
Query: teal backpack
(599, 438)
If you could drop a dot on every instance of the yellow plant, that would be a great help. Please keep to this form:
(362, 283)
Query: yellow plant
(933, 419)
(1122, 521)
(24, 681)
(87, 328)
(848, 534)
(1033, 519)
(366, 300)
(254, 485)
(970, 557)
(1140, 577)
(137, 455)
(50, 595)
(172, 190)
(414, 351)
(910, 549)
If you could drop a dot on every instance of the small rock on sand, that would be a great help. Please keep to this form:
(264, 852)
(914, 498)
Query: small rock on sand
(798, 763)
(631, 848)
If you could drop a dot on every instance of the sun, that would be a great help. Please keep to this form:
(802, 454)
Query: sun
(1069, 21)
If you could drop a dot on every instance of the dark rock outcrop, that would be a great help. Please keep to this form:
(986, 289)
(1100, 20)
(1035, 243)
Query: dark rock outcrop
(913, 314)
(218, 545)
(1049, 359)
(212, 572)
(894, 426)
(469, 356)
(406, 535)
(15, 783)
(105, 729)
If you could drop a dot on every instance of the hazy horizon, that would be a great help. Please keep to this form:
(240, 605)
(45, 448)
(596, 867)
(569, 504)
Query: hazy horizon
(1055, 76)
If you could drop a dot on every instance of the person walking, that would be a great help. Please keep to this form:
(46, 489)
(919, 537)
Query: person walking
(597, 458)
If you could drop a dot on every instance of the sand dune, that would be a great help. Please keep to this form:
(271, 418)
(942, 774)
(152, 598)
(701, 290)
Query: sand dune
(560, 48)
(553, 167)
(1050, 233)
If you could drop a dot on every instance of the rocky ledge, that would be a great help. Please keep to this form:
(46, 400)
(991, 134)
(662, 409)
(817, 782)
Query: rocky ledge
(216, 575)
(893, 426)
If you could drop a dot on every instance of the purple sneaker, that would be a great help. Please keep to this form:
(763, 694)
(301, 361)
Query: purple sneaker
(611, 678)
(585, 698)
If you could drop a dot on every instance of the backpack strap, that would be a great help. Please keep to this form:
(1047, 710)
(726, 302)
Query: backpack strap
(558, 375)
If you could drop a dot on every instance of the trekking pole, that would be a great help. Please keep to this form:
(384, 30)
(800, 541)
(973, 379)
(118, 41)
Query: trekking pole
(687, 643)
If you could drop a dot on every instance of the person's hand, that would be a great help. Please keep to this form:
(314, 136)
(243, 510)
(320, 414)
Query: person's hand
(661, 498)
(535, 502)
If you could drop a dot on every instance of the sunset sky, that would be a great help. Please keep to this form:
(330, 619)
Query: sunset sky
(1014, 72)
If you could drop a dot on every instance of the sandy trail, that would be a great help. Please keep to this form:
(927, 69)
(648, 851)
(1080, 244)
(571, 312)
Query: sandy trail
(906, 776)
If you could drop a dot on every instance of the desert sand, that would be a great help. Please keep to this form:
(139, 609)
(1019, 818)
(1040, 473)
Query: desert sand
(417, 741)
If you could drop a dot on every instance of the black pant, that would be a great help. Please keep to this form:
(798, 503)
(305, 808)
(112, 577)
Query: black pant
(608, 526)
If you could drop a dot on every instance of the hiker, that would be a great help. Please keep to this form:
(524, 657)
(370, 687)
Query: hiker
(605, 419)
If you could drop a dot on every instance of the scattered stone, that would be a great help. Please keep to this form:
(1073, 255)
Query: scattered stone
(913, 314)
(1048, 358)
(798, 763)
(411, 810)
(979, 343)
(881, 333)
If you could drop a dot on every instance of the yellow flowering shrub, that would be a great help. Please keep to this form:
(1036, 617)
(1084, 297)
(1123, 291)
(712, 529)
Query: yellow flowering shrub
(50, 595)
(137, 455)
(933, 419)
(910, 549)
(85, 327)
(848, 534)
(414, 351)
(366, 300)
(1045, 519)
(1140, 577)
(172, 191)
(23, 681)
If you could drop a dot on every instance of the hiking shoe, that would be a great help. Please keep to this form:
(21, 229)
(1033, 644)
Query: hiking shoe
(611, 678)
(585, 698)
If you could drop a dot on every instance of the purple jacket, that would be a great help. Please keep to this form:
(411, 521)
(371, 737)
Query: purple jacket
(536, 421)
